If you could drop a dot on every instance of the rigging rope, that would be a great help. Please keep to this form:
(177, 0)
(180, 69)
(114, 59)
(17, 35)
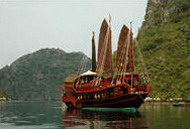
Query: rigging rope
(83, 63)
(104, 51)
(124, 59)
(103, 54)
(145, 74)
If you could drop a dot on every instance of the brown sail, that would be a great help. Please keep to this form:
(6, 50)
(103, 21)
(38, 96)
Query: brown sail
(130, 66)
(104, 63)
(124, 59)
(121, 49)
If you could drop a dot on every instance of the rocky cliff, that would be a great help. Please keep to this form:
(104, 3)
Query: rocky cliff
(39, 75)
(164, 39)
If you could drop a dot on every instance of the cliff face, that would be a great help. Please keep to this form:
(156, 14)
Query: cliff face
(39, 75)
(164, 39)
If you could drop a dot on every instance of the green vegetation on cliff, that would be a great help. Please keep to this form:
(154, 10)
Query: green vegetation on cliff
(2, 94)
(164, 40)
(39, 75)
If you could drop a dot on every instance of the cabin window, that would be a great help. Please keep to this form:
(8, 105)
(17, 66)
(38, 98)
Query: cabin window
(87, 79)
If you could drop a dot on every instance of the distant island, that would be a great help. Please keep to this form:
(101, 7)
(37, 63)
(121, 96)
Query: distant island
(39, 75)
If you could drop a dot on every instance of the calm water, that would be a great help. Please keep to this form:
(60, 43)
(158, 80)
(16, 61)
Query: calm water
(51, 115)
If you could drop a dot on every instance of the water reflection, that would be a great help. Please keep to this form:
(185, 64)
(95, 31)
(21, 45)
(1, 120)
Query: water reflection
(49, 115)
(98, 119)
(2, 106)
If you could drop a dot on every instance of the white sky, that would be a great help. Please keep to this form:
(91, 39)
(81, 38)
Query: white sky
(29, 25)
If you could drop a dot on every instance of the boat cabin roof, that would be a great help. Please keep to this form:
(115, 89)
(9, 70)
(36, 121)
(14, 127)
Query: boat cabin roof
(73, 77)
(88, 73)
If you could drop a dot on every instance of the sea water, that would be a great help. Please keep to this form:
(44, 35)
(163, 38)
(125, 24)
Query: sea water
(52, 115)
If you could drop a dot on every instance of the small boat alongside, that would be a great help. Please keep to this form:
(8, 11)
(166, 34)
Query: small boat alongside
(181, 104)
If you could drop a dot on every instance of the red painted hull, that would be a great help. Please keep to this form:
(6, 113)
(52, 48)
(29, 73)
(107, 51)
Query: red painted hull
(124, 101)
(97, 98)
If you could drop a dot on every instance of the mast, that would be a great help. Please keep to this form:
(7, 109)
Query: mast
(104, 64)
(131, 54)
(93, 53)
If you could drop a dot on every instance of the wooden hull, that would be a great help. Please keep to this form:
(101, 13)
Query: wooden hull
(99, 99)
(124, 101)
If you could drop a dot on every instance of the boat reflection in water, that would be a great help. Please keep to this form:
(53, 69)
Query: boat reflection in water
(103, 118)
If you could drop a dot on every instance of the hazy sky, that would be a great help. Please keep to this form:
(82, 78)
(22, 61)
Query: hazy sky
(29, 25)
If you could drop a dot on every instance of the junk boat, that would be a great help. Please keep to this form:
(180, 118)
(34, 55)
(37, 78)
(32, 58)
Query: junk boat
(103, 85)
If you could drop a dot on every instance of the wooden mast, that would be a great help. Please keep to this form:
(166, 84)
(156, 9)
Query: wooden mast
(130, 67)
(93, 54)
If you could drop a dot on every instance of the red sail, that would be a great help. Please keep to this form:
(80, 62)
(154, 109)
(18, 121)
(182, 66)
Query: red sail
(121, 50)
(124, 59)
(104, 63)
